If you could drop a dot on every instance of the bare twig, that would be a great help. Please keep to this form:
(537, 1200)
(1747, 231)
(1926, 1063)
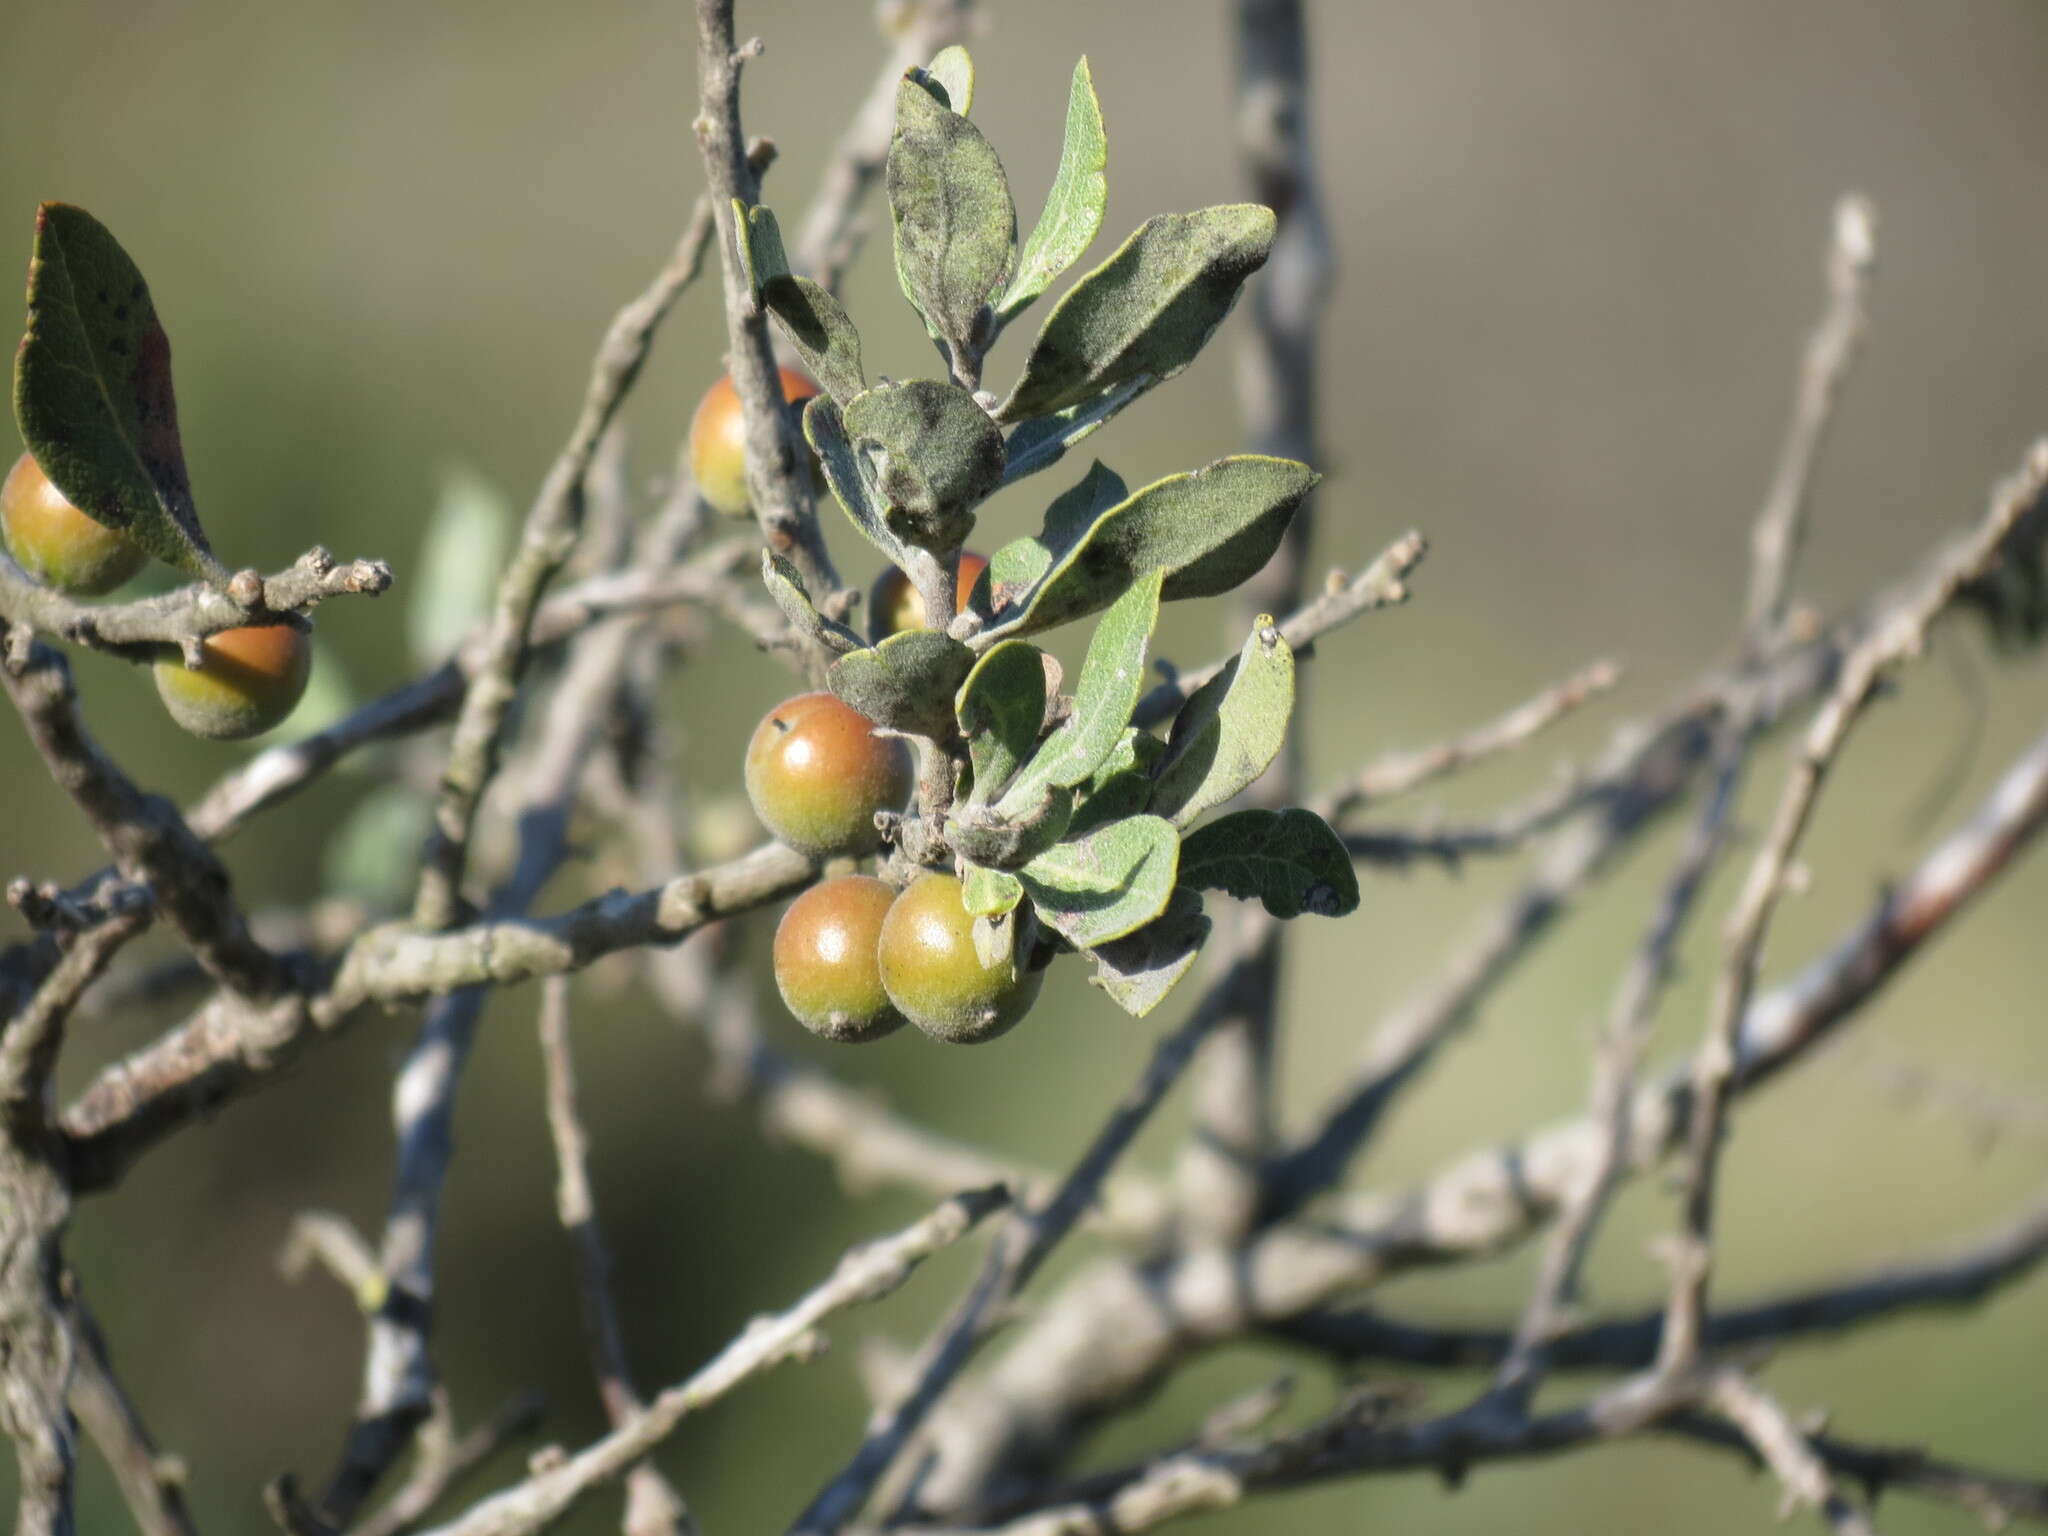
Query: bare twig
(778, 479)
(225, 1050)
(1382, 584)
(1785, 1449)
(1117, 1328)
(1400, 772)
(1852, 248)
(653, 1507)
(148, 839)
(1717, 1064)
(1028, 1239)
(445, 1459)
(152, 1483)
(141, 629)
(1774, 545)
(866, 1273)
(551, 531)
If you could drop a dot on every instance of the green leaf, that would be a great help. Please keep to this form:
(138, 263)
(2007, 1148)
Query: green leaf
(1290, 860)
(934, 452)
(93, 396)
(956, 226)
(1020, 565)
(815, 323)
(1001, 709)
(1139, 969)
(460, 557)
(1043, 441)
(1146, 311)
(1122, 786)
(786, 587)
(989, 892)
(1111, 677)
(849, 475)
(1105, 885)
(1009, 839)
(1231, 730)
(759, 241)
(952, 71)
(1073, 208)
(906, 683)
(1207, 531)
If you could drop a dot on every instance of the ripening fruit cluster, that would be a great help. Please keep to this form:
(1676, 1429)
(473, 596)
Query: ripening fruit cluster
(248, 679)
(855, 958)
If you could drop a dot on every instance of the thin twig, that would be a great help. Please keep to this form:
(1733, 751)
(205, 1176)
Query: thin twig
(1717, 1062)
(866, 1273)
(1400, 773)
(653, 1507)
(550, 535)
(1016, 1255)
(778, 478)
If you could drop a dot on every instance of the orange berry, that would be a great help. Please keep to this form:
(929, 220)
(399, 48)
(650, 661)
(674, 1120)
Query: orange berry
(817, 774)
(57, 544)
(718, 441)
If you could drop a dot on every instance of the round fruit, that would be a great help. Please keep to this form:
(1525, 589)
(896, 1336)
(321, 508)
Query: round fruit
(718, 441)
(57, 544)
(893, 603)
(826, 961)
(817, 774)
(933, 975)
(248, 681)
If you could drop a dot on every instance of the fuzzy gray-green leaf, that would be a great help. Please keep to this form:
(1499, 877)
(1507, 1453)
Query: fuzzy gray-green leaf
(956, 226)
(1138, 970)
(1206, 531)
(93, 396)
(1114, 881)
(1021, 564)
(1043, 441)
(1001, 708)
(935, 454)
(1012, 837)
(1122, 786)
(849, 476)
(1073, 208)
(1146, 311)
(906, 683)
(1290, 860)
(1111, 677)
(786, 587)
(759, 240)
(1230, 731)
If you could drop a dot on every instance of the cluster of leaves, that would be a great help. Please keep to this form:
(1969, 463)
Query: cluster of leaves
(1064, 810)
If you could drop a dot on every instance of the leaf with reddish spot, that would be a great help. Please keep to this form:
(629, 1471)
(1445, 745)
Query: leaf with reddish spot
(92, 391)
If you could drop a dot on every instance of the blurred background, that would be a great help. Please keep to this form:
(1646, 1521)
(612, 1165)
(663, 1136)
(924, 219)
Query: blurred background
(1579, 247)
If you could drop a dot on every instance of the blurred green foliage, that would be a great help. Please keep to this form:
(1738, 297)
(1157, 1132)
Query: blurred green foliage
(1580, 243)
